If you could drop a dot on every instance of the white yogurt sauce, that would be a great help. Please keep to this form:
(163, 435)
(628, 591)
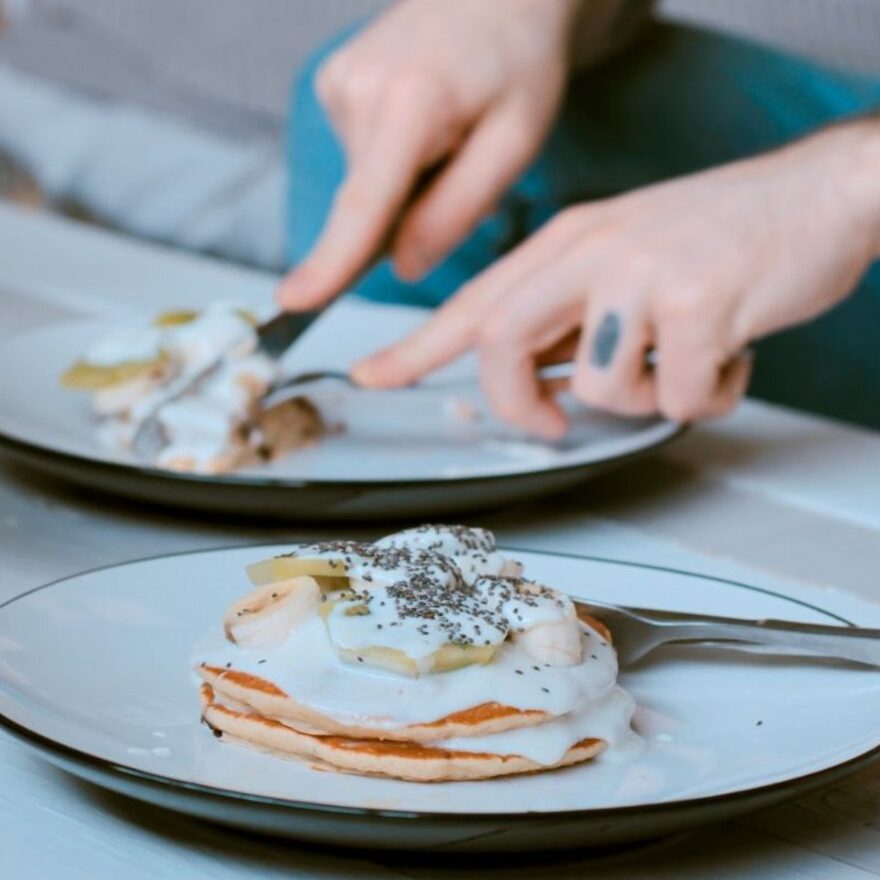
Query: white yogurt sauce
(608, 719)
(475, 555)
(126, 346)
(220, 329)
(308, 669)
(199, 426)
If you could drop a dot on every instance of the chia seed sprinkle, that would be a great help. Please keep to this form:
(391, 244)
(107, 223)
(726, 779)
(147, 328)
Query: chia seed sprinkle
(426, 587)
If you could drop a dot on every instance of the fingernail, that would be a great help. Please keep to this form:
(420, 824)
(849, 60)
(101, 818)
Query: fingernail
(367, 373)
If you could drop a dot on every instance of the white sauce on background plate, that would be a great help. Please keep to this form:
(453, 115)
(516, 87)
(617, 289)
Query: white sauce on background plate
(200, 426)
(134, 345)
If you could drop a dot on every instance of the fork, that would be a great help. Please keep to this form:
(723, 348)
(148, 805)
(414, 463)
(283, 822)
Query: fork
(638, 631)
(289, 387)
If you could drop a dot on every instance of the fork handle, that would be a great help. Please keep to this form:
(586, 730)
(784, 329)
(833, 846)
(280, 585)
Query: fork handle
(854, 643)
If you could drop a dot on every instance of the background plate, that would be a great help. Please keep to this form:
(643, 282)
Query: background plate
(401, 454)
(94, 673)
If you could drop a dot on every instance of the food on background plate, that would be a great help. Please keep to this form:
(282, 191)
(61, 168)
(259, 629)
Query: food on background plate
(217, 427)
(428, 656)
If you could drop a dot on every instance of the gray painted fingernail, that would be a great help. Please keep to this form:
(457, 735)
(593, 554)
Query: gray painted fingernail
(605, 340)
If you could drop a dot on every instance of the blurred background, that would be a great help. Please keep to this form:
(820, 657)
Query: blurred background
(165, 119)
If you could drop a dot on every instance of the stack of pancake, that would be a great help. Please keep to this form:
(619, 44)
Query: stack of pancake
(426, 656)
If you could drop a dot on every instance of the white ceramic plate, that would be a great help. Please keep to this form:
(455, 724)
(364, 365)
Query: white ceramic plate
(94, 673)
(400, 454)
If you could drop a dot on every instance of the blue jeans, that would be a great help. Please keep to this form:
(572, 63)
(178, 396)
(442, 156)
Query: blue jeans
(678, 101)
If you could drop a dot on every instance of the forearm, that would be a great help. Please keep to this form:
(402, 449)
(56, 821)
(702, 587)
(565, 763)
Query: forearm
(851, 151)
(866, 176)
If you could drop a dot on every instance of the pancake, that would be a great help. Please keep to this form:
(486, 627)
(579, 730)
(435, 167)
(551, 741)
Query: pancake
(410, 761)
(266, 699)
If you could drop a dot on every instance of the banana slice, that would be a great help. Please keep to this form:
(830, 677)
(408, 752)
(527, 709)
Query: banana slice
(388, 659)
(84, 376)
(451, 657)
(265, 617)
(446, 659)
(333, 563)
(556, 643)
(364, 628)
(175, 318)
(330, 571)
(555, 635)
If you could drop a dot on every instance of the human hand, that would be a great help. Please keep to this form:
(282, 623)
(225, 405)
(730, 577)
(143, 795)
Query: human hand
(693, 268)
(460, 91)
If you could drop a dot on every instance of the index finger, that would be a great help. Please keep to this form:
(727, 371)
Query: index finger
(364, 210)
(454, 327)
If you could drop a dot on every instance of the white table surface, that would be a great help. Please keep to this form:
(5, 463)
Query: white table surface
(766, 495)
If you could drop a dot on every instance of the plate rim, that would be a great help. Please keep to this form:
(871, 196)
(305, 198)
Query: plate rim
(31, 449)
(21, 445)
(103, 766)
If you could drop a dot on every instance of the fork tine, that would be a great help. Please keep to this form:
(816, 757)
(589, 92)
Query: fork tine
(289, 387)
